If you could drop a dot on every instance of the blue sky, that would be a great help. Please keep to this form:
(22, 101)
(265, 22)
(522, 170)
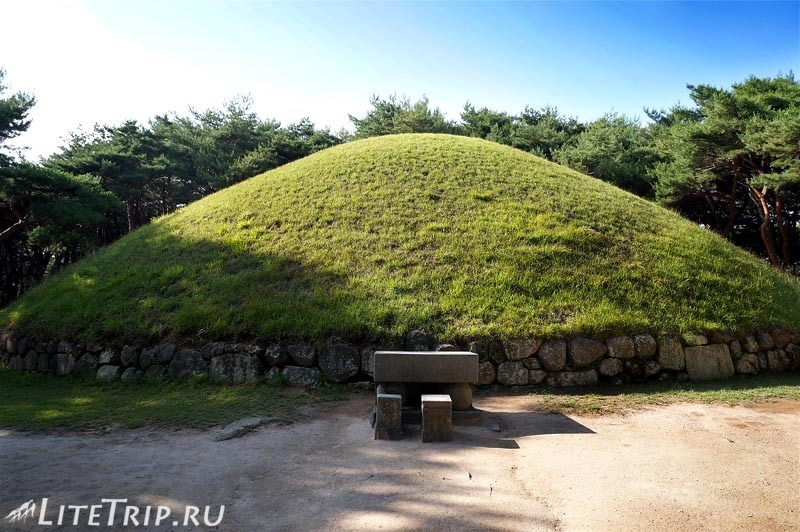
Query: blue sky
(105, 61)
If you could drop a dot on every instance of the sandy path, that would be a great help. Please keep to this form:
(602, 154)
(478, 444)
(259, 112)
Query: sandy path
(671, 468)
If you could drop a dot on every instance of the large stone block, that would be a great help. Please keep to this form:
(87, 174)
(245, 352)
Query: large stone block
(30, 361)
(781, 338)
(694, 340)
(214, 349)
(512, 373)
(340, 362)
(747, 364)
(368, 360)
(165, 352)
(276, 355)
(536, 376)
(63, 363)
(300, 377)
(23, 344)
(65, 346)
(750, 344)
(109, 373)
(15, 363)
(236, 368)
(486, 373)
(793, 352)
(585, 351)
(521, 348)
(553, 355)
(621, 347)
(188, 363)
(155, 372)
(610, 366)
(436, 366)
(651, 368)
(388, 417)
(129, 356)
(437, 418)
(488, 350)
(778, 360)
(497, 353)
(765, 341)
(10, 344)
(86, 366)
(670, 353)
(303, 355)
(131, 374)
(736, 348)
(109, 356)
(532, 363)
(148, 357)
(43, 363)
(708, 362)
(481, 348)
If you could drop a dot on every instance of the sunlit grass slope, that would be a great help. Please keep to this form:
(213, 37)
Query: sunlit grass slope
(458, 236)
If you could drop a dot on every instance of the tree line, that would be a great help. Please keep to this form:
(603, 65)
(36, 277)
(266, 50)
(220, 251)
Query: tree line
(730, 162)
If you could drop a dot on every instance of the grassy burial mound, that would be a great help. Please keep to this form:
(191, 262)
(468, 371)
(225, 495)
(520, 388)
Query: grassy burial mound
(461, 237)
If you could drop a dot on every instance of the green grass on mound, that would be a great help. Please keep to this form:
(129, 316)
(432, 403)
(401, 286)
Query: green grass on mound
(461, 237)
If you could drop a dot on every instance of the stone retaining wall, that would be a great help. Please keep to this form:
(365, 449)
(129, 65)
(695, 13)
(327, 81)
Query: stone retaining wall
(519, 362)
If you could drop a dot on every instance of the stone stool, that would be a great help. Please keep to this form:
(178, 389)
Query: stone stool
(388, 417)
(437, 418)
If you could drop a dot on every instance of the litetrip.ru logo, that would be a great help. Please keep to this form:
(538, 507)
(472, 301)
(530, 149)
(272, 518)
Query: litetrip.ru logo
(22, 513)
(115, 513)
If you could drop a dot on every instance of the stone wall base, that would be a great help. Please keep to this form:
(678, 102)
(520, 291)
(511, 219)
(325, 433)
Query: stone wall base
(553, 362)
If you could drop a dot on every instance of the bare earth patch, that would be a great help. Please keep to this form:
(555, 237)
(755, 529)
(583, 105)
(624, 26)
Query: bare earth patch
(676, 467)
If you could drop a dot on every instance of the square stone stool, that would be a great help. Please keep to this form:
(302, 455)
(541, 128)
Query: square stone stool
(437, 418)
(388, 417)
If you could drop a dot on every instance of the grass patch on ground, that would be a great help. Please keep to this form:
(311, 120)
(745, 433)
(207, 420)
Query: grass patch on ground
(618, 400)
(364, 241)
(44, 402)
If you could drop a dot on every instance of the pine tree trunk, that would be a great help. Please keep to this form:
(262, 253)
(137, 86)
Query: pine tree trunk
(732, 210)
(760, 199)
(129, 209)
(786, 244)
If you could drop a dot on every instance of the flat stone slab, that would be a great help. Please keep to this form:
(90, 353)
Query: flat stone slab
(238, 428)
(709, 362)
(426, 366)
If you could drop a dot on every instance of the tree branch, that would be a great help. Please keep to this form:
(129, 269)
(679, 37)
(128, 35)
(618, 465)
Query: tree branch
(14, 229)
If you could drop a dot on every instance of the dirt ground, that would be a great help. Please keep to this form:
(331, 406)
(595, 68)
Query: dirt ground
(680, 467)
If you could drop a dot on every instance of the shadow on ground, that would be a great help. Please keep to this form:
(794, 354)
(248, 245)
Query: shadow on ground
(501, 429)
